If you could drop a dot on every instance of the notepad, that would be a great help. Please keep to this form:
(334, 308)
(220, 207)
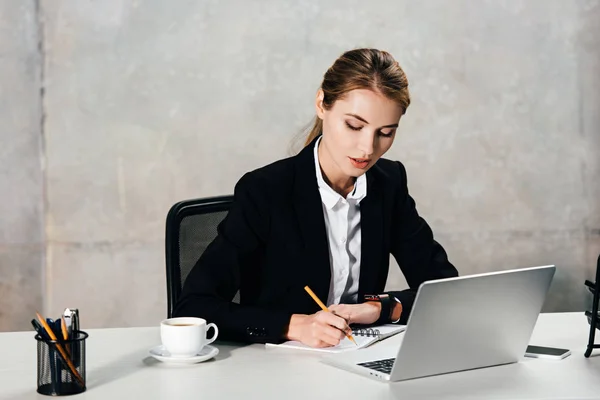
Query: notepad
(364, 338)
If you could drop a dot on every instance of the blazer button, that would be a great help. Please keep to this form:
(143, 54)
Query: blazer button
(250, 331)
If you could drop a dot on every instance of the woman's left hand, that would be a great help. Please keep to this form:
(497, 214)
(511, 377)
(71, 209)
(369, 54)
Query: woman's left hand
(364, 313)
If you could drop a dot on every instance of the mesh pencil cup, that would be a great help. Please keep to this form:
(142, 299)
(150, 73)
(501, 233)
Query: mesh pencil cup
(61, 365)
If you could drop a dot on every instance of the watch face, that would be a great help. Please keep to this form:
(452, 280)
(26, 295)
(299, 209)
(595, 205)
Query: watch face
(372, 297)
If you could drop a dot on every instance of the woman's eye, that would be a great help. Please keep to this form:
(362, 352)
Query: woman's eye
(354, 128)
(386, 134)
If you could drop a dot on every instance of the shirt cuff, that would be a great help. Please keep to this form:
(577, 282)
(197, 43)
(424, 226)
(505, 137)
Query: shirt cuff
(400, 317)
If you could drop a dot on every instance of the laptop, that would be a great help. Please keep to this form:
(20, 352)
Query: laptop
(458, 324)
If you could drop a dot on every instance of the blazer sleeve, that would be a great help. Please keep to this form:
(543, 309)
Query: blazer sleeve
(419, 256)
(234, 255)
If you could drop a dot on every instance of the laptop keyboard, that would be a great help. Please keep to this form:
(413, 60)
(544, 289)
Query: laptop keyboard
(384, 366)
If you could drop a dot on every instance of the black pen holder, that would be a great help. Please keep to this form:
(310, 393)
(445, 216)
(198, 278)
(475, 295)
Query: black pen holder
(61, 365)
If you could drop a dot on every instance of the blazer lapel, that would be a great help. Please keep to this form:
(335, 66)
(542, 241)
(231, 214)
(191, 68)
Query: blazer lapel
(309, 212)
(371, 226)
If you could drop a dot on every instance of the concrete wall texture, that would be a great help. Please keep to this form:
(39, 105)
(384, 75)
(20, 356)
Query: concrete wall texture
(112, 111)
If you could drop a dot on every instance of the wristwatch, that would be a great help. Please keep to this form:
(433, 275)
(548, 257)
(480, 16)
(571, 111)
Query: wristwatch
(391, 307)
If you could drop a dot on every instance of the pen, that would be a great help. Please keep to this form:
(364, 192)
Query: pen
(68, 322)
(324, 308)
(71, 317)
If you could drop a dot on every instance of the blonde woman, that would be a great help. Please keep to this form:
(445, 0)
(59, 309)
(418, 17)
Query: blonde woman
(328, 218)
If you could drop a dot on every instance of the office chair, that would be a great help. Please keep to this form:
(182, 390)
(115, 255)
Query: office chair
(191, 226)
(592, 316)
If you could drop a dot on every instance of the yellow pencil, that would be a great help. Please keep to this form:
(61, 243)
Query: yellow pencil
(63, 327)
(324, 308)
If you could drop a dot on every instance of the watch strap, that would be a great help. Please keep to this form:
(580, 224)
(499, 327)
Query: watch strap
(386, 307)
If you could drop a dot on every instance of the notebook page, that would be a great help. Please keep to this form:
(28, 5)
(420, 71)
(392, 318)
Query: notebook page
(345, 345)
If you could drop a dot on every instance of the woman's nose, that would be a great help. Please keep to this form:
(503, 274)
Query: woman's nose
(366, 144)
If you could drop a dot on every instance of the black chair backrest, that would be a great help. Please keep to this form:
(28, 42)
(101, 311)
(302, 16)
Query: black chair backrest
(191, 227)
(593, 316)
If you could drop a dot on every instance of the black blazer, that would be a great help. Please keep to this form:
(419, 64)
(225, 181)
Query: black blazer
(273, 242)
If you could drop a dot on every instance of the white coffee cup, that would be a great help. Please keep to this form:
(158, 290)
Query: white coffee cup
(185, 336)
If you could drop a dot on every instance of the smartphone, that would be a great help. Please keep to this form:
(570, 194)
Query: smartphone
(547, 352)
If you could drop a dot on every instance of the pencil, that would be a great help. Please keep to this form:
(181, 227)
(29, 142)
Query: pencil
(324, 308)
(63, 327)
(61, 350)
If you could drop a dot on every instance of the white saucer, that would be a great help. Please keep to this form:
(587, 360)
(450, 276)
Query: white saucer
(161, 354)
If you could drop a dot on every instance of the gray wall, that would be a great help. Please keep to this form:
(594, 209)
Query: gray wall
(147, 103)
(21, 158)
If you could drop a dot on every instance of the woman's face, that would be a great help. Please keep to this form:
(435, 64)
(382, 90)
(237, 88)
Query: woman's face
(357, 130)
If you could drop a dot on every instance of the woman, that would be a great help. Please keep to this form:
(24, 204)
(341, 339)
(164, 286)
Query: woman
(327, 218)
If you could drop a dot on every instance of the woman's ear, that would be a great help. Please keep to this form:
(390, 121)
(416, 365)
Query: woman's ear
(319, 104)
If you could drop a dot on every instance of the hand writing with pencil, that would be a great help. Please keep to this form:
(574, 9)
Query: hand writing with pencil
(322, 329)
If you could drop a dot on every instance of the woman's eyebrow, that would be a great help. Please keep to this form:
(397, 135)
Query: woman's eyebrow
(366, 122)
(358, 117)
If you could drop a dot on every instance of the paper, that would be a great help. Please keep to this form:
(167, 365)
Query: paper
(346, 344)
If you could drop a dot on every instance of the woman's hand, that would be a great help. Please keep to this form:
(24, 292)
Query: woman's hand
(323, 329)
(364, 313)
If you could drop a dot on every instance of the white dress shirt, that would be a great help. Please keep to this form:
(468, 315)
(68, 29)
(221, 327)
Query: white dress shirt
(342, 222)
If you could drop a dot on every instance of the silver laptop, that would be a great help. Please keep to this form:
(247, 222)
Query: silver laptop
(458, 324)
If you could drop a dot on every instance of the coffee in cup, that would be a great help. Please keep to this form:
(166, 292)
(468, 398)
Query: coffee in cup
(185, 336)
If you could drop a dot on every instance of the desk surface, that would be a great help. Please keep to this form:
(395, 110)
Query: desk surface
(119, 367)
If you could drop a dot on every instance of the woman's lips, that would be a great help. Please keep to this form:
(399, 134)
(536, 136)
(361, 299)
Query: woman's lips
(360, 163)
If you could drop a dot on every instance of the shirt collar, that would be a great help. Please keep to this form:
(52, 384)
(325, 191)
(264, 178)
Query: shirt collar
(330, 197)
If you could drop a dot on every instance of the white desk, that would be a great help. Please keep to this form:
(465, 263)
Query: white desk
(118, 367)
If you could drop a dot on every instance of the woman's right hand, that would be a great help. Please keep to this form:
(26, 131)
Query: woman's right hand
(322, 329)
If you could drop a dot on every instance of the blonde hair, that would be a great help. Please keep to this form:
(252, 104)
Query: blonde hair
(369, 69)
